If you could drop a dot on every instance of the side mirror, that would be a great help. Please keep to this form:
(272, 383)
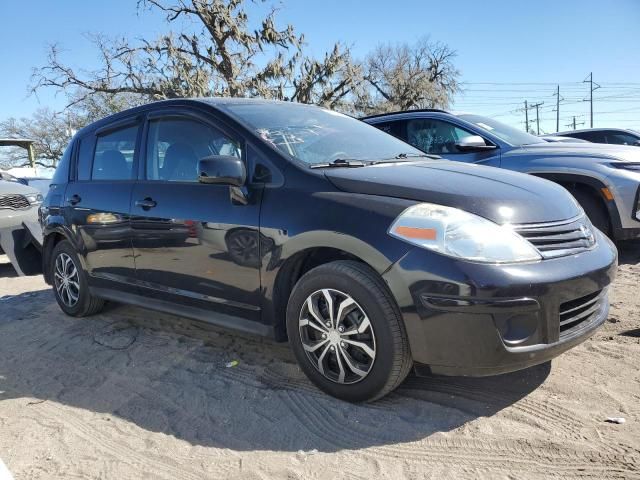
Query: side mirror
(222, 170)
(473, 143)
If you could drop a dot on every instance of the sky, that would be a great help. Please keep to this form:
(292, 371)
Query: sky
(507, 51)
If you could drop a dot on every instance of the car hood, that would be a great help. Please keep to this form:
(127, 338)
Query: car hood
(624, 153)
(498, 195)
(7, 188)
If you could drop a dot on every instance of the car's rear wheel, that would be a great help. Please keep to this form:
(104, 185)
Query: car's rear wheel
(70, 285)
(347, 332)
(595, 209)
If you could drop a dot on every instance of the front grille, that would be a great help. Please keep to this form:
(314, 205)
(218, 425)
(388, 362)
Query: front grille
(581, 310)
(14, 201)
(557, 239)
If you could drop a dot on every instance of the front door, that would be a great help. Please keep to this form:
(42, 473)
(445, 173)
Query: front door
(439, 137)
(97, 202)
(193, 244)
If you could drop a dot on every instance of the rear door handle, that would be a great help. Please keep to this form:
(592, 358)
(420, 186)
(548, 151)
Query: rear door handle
(74, 199)
(146, 204)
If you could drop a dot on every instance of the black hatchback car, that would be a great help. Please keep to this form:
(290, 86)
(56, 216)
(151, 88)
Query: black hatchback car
(296, 222)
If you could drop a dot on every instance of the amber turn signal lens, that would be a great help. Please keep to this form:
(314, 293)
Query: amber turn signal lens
(417, 233)
(607, 193)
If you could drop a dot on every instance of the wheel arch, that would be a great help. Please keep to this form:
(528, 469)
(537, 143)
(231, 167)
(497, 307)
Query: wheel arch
(301, 258)
(52, 236)
(594, 185)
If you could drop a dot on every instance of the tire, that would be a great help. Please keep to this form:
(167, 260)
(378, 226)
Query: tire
(595, 209)
(65, 264)
(362, 291)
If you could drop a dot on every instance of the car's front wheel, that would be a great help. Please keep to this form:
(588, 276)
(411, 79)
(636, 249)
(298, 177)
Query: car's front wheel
(595, 209)
(347, 332)
(70, 285)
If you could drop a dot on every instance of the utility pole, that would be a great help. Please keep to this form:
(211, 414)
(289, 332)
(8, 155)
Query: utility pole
(591, 83)
(526, 117)
(558, 99)
(573, 124)
(537, 106)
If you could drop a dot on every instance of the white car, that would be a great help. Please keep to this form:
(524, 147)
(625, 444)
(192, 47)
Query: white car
(20, 232)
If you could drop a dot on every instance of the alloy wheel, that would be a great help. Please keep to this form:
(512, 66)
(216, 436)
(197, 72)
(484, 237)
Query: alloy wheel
(66, 279)
(337, 336)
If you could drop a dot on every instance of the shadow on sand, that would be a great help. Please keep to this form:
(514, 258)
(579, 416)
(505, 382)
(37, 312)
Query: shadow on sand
(167, 374)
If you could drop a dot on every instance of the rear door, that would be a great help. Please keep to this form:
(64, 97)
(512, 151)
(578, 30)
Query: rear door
(194, 244)
(97, 201)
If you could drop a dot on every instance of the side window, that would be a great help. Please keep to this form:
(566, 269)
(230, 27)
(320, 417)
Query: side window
(114, 154)
(85, 157)
(595, 137)
(61, 174)
(621, 138)
(434, 136)
(175, 145)
(392, 128)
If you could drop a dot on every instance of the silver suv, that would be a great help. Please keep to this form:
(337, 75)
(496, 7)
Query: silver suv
(605, 179)
(20, 232)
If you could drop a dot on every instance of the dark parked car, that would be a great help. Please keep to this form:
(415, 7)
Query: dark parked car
(605, 179)
(299, 223)
(614, 136)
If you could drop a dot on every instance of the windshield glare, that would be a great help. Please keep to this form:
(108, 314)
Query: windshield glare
(511, 135)
(316, 135)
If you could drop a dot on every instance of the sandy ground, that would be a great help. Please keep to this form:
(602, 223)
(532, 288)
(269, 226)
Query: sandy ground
(133, 394)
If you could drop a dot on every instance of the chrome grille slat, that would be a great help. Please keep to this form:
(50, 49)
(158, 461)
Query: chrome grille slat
(576, 312)
(583, 243)
(14, 201)
(586, 304)
(575, 235)
(557, 239)
(562, 253)
(581, 315)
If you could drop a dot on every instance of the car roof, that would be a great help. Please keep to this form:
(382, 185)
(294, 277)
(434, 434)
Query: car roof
(600, 129)
(214, 102)
(416, 110)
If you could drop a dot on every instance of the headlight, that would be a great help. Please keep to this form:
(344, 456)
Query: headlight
(34, 198)
(457, 233)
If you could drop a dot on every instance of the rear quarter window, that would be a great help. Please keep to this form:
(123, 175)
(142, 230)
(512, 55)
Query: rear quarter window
(61, 174)
(85, 157)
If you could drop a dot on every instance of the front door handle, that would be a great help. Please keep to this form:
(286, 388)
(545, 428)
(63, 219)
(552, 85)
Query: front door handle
(146, 204)
(74, 199)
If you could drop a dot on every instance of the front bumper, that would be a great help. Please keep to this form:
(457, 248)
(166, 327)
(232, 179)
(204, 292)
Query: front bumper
(466, 318)
(21, 239)
(624, 209)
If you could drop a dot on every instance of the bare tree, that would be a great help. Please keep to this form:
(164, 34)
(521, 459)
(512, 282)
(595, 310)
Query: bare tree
(402, 77)
(51, 132)
(221, 56)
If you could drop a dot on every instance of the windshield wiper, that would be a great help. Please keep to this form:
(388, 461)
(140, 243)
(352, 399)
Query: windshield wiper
(354, 162)
(418, 155)
(406, 157)
(340, 162)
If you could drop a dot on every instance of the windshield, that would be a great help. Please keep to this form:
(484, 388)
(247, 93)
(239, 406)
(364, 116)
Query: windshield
(315, 135)
(511, 135)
